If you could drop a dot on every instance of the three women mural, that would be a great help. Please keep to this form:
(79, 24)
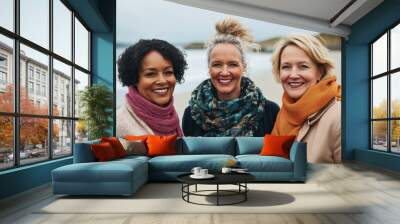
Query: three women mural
(228, 103)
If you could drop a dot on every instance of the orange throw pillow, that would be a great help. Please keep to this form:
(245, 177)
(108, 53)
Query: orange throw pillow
(103, 152)
(161, 145)
(116, 145)
(142, 138)
(277, 145)
(136, 137)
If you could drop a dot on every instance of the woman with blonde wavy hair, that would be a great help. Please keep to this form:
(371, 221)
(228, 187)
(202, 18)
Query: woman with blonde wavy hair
(311, 99)
(228, 103)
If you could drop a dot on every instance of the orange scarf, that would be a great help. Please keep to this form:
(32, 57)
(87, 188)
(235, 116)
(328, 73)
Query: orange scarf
(294, 113)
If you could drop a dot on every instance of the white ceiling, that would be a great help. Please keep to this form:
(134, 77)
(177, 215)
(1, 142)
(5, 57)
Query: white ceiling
(326, 16)
(321, 9)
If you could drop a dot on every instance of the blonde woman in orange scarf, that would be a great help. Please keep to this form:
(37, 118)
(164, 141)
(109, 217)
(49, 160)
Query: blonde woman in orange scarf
(311, 99)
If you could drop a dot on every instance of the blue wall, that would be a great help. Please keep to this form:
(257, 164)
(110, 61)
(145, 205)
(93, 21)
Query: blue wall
(99, 15)
(103, 58)
(24, 178)
(356, 85)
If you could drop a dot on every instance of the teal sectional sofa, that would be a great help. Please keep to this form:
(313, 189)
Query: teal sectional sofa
(125, 176)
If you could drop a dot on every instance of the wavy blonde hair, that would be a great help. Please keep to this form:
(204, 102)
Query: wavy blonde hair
(317, 52)
(231, 31)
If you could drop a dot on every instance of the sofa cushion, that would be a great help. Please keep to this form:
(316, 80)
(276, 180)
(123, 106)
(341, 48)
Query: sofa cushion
(249, 145)
(275, 145)
(206, 145)
(93, 172)
(257, 163)
(185, 163)
(116, 145)
(161, 145)
(134, 147)
(131, 158)
(136, 137)
(112, 171)
(83, 153)
(103, 152)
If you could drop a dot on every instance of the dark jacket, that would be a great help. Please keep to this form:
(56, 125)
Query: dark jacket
(190, 127)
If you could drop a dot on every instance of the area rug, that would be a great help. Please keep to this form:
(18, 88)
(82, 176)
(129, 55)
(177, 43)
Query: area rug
(167, 198)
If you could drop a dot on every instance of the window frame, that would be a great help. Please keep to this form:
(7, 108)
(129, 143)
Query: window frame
(16, 115)
(388, 74)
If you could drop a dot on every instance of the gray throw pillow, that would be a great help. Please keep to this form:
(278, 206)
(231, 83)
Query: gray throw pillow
(134, 147)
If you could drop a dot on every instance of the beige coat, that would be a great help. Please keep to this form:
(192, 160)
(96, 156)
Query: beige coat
(128, 123)
(322, 132)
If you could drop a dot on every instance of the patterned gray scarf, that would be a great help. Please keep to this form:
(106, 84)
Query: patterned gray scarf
(236, 117)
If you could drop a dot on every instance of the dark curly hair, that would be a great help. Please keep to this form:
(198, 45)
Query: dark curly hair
(130, 60)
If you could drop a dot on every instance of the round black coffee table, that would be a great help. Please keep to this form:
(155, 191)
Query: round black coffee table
(238, 179)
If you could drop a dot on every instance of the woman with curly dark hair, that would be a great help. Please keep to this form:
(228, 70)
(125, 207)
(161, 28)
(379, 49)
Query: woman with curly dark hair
(150, 70)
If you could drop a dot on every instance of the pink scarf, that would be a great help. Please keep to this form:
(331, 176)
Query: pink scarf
(162, 120)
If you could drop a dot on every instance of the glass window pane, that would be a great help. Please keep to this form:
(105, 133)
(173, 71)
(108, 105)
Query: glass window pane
(35, 21)
(62, 29)
(379, 135)
(395, 47)
(395, 94)
(81, 45)
(379, 55)
(6, 142)
(379, 97)
(81, 131)
(62, 89)
(62, 141)
(34, 97)
(395, 136)
(6, 74)
(7, 14)
(81, 81)
(33, 140)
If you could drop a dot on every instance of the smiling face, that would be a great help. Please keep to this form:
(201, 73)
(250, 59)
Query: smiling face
(156, 79)
(226, 68)
(297, 72)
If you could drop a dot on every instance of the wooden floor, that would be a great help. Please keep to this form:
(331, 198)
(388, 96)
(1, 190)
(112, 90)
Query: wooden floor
(377, 188)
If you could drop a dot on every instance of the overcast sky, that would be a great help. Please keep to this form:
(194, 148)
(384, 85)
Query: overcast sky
(179, 23)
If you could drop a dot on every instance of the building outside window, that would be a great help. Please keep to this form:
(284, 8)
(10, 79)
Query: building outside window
(37, 75)
(385, 94)
(30, 72)
(3, 72)
(38, 89)
(3, 81)
(44, 77)
(55, 98)
(30, 87)
(34, 75)
(3, 61)
(3, 78)
(43, 90)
